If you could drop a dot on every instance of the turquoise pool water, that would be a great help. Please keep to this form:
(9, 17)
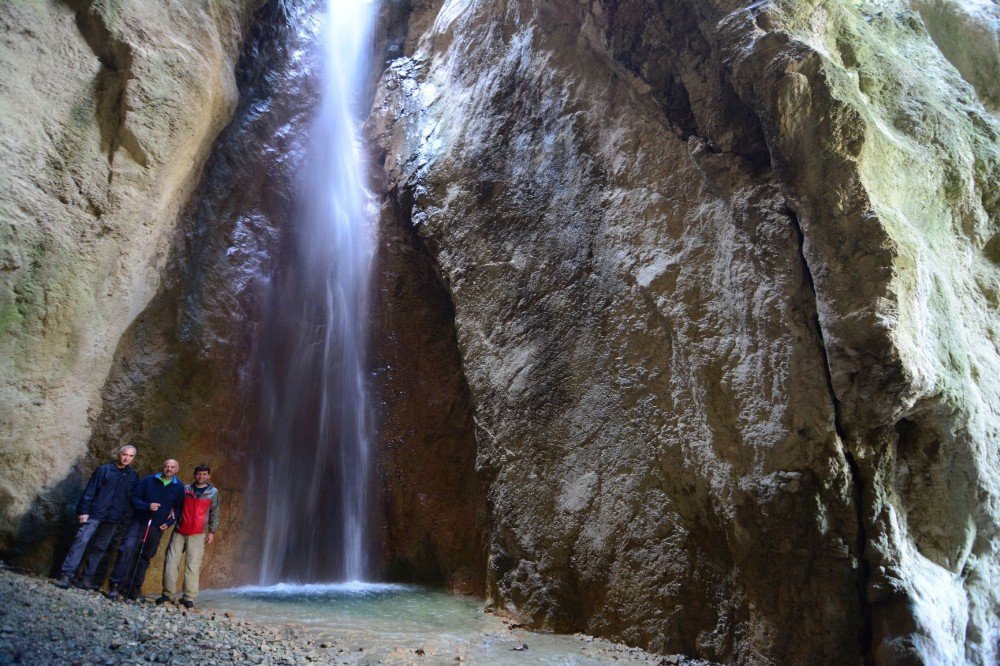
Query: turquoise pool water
(391, 622)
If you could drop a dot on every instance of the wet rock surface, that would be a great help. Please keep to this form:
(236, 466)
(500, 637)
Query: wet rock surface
(707, 262)
(181, 382)
(434, 510)
(186, 376)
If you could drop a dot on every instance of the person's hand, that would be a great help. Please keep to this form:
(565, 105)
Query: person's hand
(83, 517)
(163, 527)
(209, 538)
(154, 506)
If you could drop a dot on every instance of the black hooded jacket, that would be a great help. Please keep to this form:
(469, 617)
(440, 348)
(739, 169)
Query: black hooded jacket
(106, 497)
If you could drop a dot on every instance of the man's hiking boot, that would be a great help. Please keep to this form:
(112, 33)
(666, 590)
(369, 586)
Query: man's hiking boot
(162, 599)
(86, 584)
(113, 594)
(187, 603)
(64, 582)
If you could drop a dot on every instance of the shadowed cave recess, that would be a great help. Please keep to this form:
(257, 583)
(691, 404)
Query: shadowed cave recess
(683, 327)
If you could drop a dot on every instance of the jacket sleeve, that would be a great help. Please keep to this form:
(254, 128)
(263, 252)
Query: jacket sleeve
(133, 482)
(139, 502)
(178, 509)
(87, 499)
(213, 513)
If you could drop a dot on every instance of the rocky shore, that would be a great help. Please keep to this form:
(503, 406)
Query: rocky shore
(42, 624)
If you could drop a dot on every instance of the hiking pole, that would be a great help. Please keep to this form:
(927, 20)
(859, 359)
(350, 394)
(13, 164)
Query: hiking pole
(142, 546)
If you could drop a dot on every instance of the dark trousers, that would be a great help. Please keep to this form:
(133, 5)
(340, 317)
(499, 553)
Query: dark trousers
(132, 548)
(98, 535)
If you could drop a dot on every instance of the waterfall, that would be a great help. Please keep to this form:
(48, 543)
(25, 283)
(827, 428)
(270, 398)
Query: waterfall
(311, 355)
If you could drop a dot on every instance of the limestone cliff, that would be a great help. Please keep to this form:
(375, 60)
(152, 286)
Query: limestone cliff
(687, 324)
(109, 108)
(725, 282)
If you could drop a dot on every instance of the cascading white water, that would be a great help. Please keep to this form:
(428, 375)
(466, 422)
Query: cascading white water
(314, 378)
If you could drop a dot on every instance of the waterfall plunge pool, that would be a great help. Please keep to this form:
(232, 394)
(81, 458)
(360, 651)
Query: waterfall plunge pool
(391, 622)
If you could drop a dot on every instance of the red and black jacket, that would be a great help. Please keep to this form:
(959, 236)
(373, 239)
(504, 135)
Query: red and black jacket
(199, 511)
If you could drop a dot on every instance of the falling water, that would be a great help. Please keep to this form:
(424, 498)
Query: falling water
(315, 416)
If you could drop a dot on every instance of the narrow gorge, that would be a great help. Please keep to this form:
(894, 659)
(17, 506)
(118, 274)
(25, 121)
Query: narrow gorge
(681, 328)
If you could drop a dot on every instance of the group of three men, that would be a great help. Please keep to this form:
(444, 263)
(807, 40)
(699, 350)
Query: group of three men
(155, 503)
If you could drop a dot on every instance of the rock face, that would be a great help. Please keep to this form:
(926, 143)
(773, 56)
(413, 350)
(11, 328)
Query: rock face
(179, 381)
(687, 318)
(968, 34)
(725, 285)
(186, 377)
(109, 109)
(433, 507)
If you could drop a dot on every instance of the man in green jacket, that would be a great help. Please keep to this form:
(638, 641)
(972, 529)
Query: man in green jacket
(156, 502)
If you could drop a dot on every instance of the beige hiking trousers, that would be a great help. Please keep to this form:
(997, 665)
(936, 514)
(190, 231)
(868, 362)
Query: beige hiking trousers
(194, 546)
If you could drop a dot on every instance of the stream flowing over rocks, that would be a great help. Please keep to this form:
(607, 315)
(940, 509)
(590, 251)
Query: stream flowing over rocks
(685, 329)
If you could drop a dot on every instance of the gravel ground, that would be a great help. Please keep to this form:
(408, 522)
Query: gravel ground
(41, 624)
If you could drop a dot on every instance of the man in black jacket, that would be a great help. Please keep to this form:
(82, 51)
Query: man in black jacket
(105, 504)
(157, 501)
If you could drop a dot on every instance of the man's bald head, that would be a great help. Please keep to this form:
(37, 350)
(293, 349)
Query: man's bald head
(170, 468)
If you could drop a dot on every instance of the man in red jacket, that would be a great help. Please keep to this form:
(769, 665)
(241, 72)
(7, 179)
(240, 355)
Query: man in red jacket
(196, 529)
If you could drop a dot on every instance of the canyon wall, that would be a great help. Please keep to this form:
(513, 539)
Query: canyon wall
(686, 327)
(186, 379)
(179, 378)
(109, 110)
(725, 283)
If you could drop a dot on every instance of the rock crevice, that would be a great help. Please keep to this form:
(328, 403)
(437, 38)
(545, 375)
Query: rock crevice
(111, 83)
(857, 482)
